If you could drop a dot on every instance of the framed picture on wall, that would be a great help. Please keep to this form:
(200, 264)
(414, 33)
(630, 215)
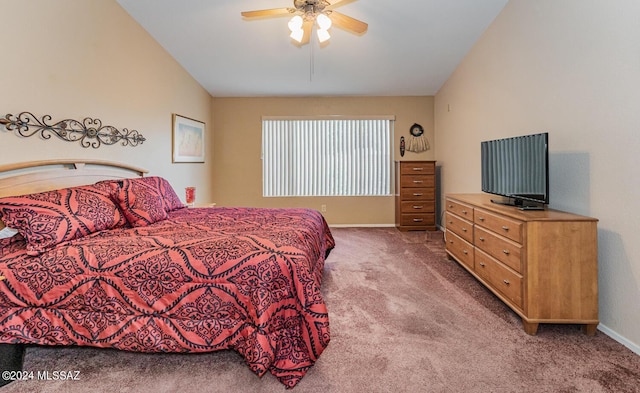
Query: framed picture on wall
(188, 139)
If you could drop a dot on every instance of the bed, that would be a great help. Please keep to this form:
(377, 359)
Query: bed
(107, 257)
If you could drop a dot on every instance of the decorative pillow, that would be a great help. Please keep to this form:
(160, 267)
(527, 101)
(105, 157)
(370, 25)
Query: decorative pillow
(49, 218)
(171, 200)
(170, 196)
(140, 201)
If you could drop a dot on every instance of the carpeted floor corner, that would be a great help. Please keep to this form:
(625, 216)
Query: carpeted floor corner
(404, 318)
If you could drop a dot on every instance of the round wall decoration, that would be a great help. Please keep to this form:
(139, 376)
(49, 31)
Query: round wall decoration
(416, 130)
(418, 141)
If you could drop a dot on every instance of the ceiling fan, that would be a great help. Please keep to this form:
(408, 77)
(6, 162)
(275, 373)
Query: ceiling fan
(308, 12)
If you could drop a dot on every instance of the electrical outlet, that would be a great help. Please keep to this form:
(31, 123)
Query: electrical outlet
(323, 208)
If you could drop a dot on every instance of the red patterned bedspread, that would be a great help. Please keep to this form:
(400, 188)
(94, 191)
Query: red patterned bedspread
(203, 280)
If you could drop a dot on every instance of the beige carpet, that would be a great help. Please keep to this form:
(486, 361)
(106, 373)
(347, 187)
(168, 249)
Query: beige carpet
(404, 318)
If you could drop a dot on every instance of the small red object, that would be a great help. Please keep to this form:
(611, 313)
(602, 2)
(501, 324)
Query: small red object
(190, 195)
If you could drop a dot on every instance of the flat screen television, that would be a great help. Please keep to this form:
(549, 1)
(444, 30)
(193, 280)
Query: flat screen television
(517, 168)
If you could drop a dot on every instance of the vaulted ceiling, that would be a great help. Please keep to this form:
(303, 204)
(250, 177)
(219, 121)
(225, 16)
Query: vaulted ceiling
(410, 48)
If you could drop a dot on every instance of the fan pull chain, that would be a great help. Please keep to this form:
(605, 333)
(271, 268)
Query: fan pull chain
(311, 63)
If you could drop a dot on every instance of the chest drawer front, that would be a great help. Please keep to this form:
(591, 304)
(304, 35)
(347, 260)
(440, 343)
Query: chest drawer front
(417, 181)
(462, 250)
(418, 219)
(499, 277)
(507, 227)
(417, 194)
(460, 209)
(417, 207)
(505, 251)
(460, 227)
(418, 168)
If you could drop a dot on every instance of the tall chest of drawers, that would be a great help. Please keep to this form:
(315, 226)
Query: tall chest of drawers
(542, 264)
(416, 195)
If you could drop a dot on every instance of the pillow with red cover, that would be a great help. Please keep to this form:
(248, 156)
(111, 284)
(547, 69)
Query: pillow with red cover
(49, 218)
(140, 200)
(171, 200)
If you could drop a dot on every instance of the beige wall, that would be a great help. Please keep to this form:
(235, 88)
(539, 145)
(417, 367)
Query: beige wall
(571, 68)
(238, 169)
(78, 58)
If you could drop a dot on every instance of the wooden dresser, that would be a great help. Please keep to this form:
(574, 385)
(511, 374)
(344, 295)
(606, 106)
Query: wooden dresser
(416, 195)
(542, 264)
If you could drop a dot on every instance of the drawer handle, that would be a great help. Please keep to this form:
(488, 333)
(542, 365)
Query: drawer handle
(481, 264)
(465, 252)
(506, 282)
(450, 206)
(481, 238)
(417, 194)
(464, 229)
(506, 252)
(506, 228)
(464, 212)
(418, 207)
(451, 222)
(481, 219)
(418, 181)
(418, 220)
(418, 169)
(450, 241)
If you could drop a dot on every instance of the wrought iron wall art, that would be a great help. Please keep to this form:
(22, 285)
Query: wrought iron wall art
(89, 132)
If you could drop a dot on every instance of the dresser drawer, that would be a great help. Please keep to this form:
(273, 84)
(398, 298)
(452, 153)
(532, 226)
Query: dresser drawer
(418, 168)
(505, 251)
(418, 219)
(460, 227)
(511, 229)
(499, 277)
(460, 209)
(417, 181)
(417, 207)
(460, 249)
(417, 194)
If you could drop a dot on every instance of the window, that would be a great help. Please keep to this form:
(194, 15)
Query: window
(327, 157)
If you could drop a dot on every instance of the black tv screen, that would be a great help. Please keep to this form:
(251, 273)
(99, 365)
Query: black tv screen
(517, 168)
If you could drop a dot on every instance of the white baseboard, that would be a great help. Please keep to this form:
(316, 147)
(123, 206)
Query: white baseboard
(632, 346)
(362, 225)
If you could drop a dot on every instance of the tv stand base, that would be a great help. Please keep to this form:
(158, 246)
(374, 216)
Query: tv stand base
(531, 207)
(520, 204)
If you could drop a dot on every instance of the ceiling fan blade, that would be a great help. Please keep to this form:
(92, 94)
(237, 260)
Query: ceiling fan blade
(307, 26)
(335, 3)
(269, 12)
(348, 23)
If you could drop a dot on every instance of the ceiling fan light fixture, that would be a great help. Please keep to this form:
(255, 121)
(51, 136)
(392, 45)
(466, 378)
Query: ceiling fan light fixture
(323, 35)
(324, 22)
(295, 23)
(297, 35)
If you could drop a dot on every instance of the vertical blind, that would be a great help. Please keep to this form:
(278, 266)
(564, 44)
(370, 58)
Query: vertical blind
(326, 157)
